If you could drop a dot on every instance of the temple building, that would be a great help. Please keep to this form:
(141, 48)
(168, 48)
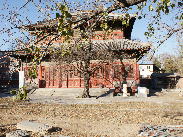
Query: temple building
(63, 75)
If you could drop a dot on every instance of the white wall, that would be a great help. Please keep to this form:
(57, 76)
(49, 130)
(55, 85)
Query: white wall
(146, 70)
(21, 79)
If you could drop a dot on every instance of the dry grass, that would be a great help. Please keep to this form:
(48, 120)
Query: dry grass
(117, 119)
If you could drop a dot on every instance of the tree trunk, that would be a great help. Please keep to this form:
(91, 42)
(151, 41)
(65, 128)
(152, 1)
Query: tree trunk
(124, 72)
(86, 74)
(86, 93)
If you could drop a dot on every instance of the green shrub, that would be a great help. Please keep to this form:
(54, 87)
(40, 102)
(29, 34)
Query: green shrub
(21, 93)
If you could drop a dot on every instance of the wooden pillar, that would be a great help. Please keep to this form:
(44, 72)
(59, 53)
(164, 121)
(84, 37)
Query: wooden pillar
(136, 72)
(111, 75)
(39, 76)
(21, 65)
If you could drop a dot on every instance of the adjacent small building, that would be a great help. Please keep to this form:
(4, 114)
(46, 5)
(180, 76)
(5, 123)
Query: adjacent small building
(146, 69)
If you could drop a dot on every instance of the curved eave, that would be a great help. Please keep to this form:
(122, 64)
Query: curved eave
(131, 48)
(137, 49)
(120, 44)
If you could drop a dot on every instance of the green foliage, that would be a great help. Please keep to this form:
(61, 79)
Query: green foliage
(21, 94)
(33, 72)
(35, 51)
(65, 22)
(126, 20)
(151, 8)
(65, 52)
(157, 9)
(104, 25)
(150, 31)
(13, 92)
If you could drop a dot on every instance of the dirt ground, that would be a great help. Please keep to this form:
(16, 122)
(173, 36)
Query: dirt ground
(118, 119)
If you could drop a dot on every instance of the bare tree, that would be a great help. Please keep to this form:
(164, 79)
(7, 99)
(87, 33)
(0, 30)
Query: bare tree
(18, 16)
(66, 26)
(82, 58)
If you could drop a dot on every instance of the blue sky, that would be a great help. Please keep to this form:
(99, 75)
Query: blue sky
(169, 46)
(140, 26)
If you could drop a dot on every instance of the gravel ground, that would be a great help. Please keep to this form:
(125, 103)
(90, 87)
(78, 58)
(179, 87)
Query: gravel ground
(113, 117)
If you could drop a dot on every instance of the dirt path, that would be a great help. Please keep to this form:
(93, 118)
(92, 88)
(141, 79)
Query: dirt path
(121, 118)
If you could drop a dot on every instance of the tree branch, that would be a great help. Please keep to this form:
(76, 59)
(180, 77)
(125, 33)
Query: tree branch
(117, 5)
(128, 3)
(169, 34)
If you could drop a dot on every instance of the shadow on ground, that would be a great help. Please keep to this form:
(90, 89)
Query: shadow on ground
(5, 94)
(107, 93)
(152, 92)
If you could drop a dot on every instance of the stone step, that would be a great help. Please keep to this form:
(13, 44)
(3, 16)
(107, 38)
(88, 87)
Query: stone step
(74, 92)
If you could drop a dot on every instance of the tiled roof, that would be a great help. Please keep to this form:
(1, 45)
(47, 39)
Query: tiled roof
(120, 44)
(138, 49)
(54, 22)
(145, 62)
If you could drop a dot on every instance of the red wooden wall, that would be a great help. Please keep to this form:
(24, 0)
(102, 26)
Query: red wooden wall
(67, 76)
